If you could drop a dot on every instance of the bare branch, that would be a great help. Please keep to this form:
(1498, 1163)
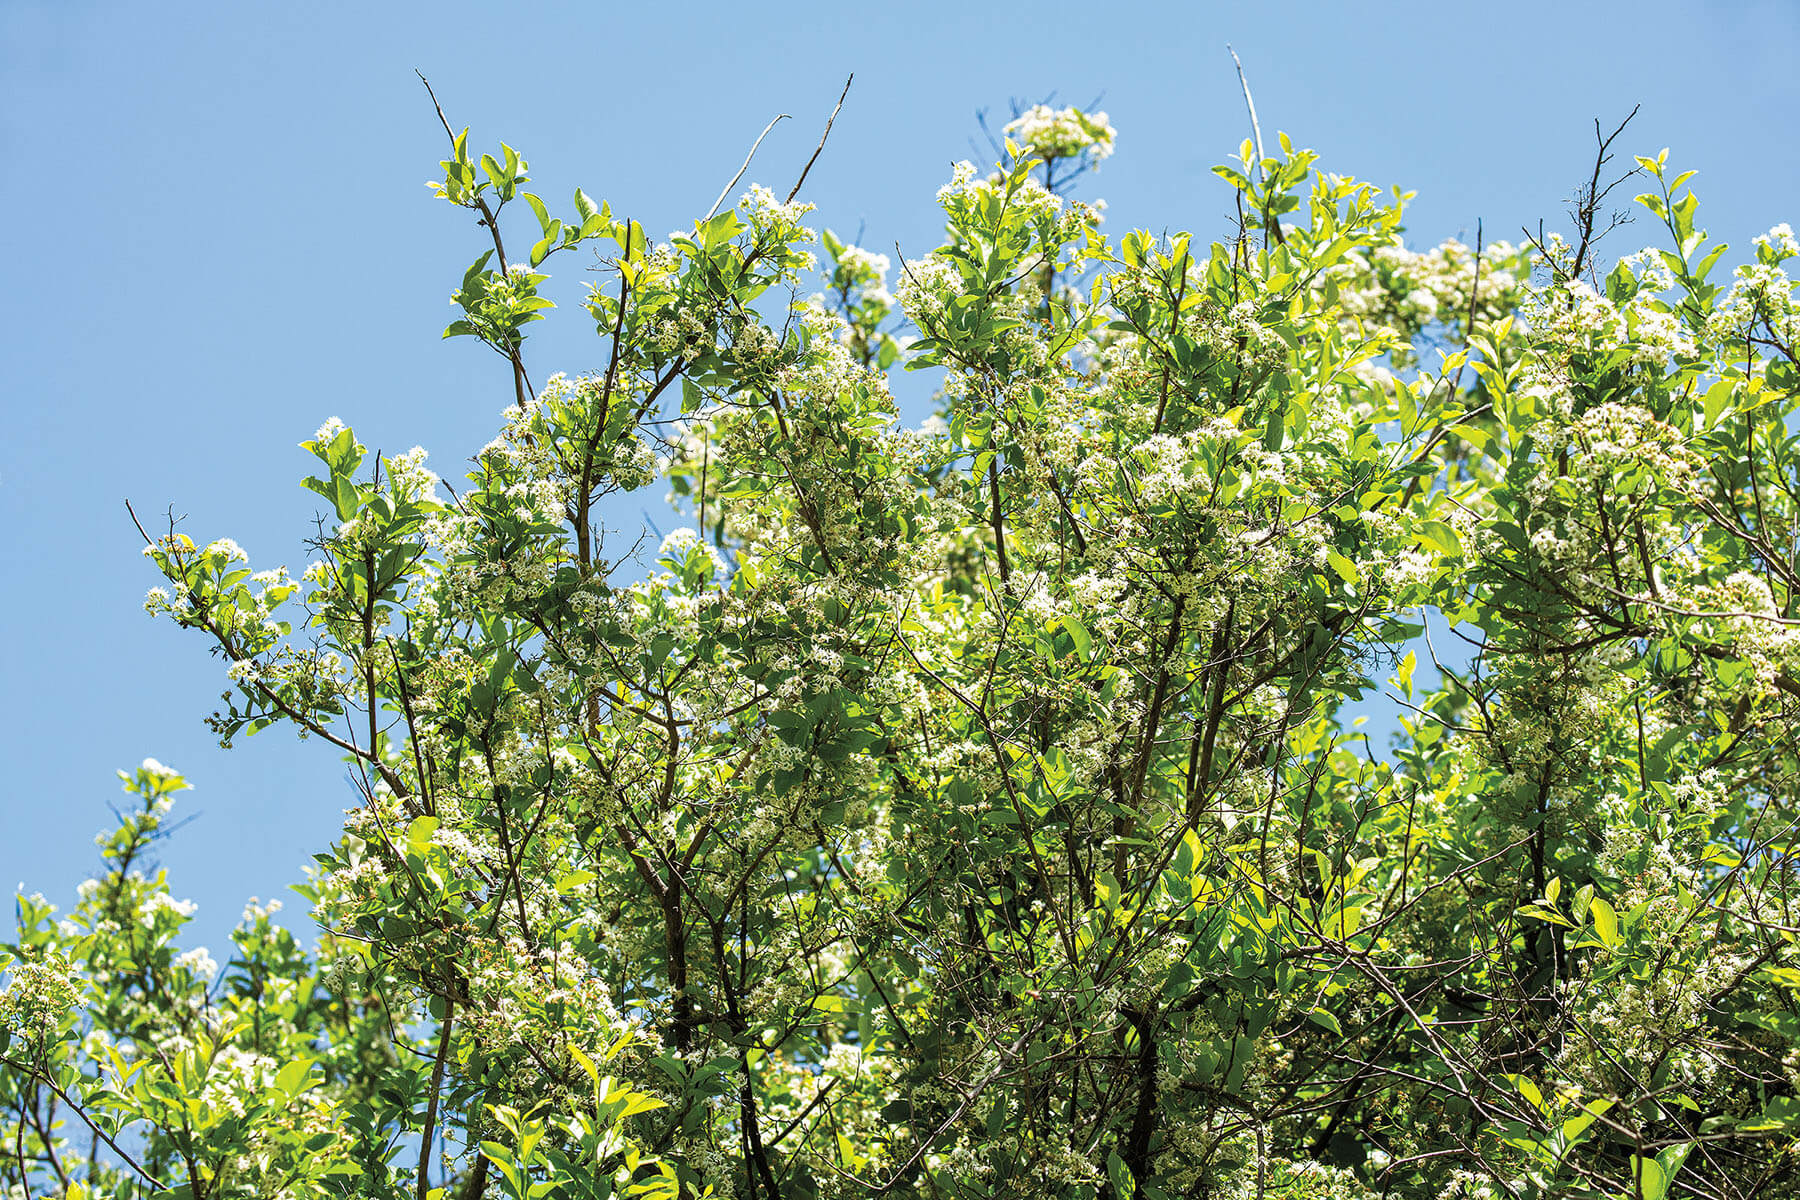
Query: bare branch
(805, 171)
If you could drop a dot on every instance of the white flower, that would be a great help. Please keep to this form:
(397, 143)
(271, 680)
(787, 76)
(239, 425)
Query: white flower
(256, 910)
(1653, 274)
(1413, 568)
(863, 263)
(1062, 133)
(678, 543)
(961, 175)
(41, 991)
(766, 212)
(162, 902)
(1779, 242)
(198, 962)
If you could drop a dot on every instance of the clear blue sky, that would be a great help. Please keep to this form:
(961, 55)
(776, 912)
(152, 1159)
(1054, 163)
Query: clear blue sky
(216, 237)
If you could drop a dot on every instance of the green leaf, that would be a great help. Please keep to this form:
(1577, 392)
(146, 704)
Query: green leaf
(1652, 1176)
(1606, 922)
(345, 498)
(1078, 633)
(1576, 1126)
(475, 269)
(587, 1064)
(1781, 1113)
(419, 832)
(1717, 399)
(295, 1077)
(1123, 1184)
(1277, 427)
(1325, 1020)
(1436, 535)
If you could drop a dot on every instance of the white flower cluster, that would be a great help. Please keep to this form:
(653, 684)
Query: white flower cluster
(962, 177)
(409, 478)
(256, 911)
(1650, 270)
(227, 550)
(1632, 1024)
(679, 548)
(160, 903)
(1618, 437)
(771, 219)
(863, 265)
(1393, 294)
(234, 1076)
(1778, 244)
(1063, 132)
(1760, 293)
(684, 334)
(1581, 321)
(1744, 615)
(41, 991)
(927, 285)
(156, 769)
(198, 963)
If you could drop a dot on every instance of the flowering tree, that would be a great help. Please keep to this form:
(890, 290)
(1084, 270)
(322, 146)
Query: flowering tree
(977, 810)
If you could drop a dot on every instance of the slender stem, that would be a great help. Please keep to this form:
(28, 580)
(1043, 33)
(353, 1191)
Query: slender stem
(795, 191)
(422, 1185)
(98, 1132)
(726, 190)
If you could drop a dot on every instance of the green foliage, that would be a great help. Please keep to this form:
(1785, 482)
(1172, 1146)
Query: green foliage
(976, 810)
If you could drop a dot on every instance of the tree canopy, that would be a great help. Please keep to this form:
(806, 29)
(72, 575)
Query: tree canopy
(981, 809)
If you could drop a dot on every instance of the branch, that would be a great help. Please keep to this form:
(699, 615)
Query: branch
(1255, 128)
(522, 388)
(726, 191)
(1271, 223)
(98, 1132)
(1587, 200)
(821, 146)
(423, 1186)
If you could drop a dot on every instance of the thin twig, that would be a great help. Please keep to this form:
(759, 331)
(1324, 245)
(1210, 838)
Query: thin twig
(442, 120)
(1587, 199)
(490, 217)
(1469, 322)
(1271, 223)
(779, 118)
(39, 1076)
(821, 146)
(1255, 129)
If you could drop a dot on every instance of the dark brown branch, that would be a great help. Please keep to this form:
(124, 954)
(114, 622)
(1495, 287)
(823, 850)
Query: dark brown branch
(422, 1185)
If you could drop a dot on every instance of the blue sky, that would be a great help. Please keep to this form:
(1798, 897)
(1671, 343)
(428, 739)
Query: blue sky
(217, 237)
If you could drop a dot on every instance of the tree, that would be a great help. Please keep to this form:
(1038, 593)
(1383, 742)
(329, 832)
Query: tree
(977, 810)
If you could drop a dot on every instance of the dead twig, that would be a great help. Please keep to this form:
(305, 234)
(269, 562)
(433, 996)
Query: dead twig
(806, 170)
(779, 118)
